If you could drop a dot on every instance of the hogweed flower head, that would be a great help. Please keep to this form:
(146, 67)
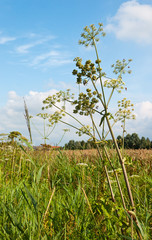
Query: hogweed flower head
(66, 129)
(86, 103)
(117, 84)
(125, 110)
(85, 130)
(60, 96)
(119, 67)
(43, 115)
(90, 35)
(56, 117)
(87, 71)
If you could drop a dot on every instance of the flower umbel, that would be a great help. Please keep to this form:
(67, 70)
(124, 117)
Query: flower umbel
(125, 110)
(117, 84)
(90, 35)
(119, 67)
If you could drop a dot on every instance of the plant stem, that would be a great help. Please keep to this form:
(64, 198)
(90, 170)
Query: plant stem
(118, 183)
(104, 100)
(68, 114)
(122, 165)
(123, 138)
(110, 96)
(44, 133)
(113, 137)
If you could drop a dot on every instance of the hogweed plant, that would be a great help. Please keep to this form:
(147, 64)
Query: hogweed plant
(124, 113)
(91, 102)
(46, 131)
(46, 127)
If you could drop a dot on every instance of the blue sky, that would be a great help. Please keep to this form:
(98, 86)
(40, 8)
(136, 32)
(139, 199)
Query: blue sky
(39, 40)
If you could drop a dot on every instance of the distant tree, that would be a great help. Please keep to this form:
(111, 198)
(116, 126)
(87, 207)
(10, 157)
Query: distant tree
(135, 141)
(71, 145)
(131, 141)
(127, 141)
(77, 145)
(88, 145)
(83, 144)
(148, 143)
(143, 143)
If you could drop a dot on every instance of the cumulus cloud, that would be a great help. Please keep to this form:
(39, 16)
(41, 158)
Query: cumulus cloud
(12, 114)
(12, 118)
(144, 110)
(132, 21)
(143, 123)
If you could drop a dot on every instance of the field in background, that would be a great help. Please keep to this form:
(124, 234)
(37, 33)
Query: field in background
(140, 154)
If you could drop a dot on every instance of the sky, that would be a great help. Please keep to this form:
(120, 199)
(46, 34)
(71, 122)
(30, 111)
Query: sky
(38, 42)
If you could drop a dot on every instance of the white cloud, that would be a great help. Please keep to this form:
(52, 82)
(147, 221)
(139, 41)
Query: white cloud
(26, 47)
(4, 40)
(60, 85)
(132, 21)
(143, 123)
(43, 57)
(52, 58)
(34, 50)
(12, 114)
(144, 110)
(12, 118)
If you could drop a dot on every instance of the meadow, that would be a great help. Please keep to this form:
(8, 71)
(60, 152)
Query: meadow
(65, 194)
(105, 193)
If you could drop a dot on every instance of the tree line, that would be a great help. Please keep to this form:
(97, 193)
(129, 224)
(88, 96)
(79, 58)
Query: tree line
(131, 141)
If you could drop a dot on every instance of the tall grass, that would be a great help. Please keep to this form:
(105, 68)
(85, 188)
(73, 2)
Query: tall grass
(48, 195)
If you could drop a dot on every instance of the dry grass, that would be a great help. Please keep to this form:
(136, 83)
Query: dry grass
(141, 154)
(136, 154)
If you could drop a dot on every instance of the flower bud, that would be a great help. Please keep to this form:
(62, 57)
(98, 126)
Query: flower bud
(74, 72)
(98, 61)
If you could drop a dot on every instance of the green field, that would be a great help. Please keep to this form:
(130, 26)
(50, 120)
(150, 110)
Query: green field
(65, 195)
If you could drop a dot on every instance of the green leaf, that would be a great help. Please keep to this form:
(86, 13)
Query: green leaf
(126, 237)
(26, 199)
(34, 202)
(102, 119)
(39, 174)
(15, 222)
(26, 154)
(27, 143)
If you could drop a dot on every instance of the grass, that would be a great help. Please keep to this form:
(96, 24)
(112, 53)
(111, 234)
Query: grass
(65, 195)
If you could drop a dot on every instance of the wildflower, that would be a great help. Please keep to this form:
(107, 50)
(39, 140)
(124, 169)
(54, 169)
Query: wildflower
(82, 164)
